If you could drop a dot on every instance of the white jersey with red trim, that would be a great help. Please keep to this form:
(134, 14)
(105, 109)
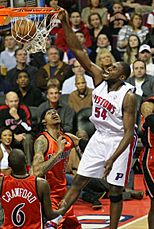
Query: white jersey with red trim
(107, 108)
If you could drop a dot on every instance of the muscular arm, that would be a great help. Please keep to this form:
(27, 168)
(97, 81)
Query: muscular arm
(39, 166)
(129, 117)
(79, 53)
(44, 195)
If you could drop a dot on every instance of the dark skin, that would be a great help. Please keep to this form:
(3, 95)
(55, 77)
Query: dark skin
(114, 76)
(39, 166)
(43, 192)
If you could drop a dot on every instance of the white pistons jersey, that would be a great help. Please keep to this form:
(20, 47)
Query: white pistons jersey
(107, 108)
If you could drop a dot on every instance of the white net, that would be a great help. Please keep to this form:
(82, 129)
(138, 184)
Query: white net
(38, 27)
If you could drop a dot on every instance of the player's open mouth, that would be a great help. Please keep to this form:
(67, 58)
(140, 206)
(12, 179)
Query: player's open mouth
(106, 74)
(55, 117)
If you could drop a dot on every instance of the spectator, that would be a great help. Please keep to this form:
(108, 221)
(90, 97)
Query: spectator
(69, 84)
(146, 56)
(132, 49)
(55, 68)
(77, 25)
(53, 3)
(6, 136)
(96, 28)
(140, 6)
(66, 113)
(7, 57)
(81, 38)
(104, 59)
(149, 40)
(38, 59)
(135, 27)
(144, 83)
(21, 59)
(94, 7)
(117, 18)
(82, 97)
(28, 94)
(17, 117)
(104, 42)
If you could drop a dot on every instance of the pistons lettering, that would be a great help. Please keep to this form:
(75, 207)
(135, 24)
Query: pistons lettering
(104, 104)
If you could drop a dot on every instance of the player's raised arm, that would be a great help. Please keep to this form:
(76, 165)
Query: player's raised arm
(79, 53)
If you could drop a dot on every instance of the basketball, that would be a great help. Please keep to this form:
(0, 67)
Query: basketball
(23, 30)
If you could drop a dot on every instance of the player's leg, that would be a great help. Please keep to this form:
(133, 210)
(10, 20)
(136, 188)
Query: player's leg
(115, 195)
(78, 183)
(151, 215)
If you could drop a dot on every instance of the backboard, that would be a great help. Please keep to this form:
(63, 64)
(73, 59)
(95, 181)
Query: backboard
(21, 3)
(29, 3)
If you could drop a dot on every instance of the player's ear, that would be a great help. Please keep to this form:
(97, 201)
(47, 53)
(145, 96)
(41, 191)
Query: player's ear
(44, 122)
(123, 77)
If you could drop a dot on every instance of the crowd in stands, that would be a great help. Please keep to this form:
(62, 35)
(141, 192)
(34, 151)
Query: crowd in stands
(109, 31)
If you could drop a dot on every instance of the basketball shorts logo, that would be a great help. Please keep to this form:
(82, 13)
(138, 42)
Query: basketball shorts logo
(119, 176)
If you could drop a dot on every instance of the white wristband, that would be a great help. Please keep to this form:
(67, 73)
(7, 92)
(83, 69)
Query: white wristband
(57, 220)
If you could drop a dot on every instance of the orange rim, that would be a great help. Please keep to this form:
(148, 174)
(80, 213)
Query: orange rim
(24, 11)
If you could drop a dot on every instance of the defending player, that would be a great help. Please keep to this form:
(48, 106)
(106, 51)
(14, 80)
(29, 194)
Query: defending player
(109, 151)
(45, 150)
(147, 110)
(23, 197)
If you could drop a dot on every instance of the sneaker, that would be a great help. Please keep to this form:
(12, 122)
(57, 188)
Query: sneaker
(96, 205)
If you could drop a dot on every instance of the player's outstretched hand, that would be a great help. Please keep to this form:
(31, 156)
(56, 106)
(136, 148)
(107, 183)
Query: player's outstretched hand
(74, 138)
(108, 166)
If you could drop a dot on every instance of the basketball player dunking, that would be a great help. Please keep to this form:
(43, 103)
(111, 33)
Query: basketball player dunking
(108, 152)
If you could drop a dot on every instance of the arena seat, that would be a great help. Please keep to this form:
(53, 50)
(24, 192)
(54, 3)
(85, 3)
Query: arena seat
(33, 111)
(2, 99)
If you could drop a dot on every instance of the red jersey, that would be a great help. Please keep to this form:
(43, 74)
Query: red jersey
(147, 156)
(21, 204)
(56, 176)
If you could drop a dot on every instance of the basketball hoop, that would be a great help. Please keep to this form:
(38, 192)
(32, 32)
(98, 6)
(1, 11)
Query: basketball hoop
(31, 26)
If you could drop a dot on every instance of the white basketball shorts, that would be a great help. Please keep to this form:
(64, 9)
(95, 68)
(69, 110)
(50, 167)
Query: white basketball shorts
(99, 149)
